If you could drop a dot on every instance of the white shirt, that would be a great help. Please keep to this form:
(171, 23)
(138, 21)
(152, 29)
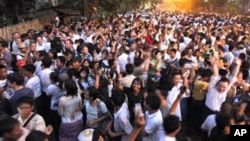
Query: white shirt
(214, 99)
(153, 127)
(36, 123)
(45, 46)
(182, 46)
(229, 56)
(131, 56)
(14, 47)
(122, 123)
(168, 138)
(123, 61)
(67, 104)
(209, 124)
(38, 66)
(44, 76)
(55, 92)
(172, 95)
(89, 39)
(127, 80)
(34, 83)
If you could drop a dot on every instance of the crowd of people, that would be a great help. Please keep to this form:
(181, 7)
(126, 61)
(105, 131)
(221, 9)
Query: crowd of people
(132, 77)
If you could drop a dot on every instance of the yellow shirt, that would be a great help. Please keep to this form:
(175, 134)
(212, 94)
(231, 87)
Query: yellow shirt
(200, 87)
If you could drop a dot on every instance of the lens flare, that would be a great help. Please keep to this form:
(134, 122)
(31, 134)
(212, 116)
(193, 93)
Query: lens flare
(177, 5)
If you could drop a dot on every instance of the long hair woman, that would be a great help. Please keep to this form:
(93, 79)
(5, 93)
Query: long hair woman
(69, 104)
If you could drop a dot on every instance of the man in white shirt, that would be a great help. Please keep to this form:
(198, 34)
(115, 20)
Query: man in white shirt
(219, 87)
(122, 124)
(122, 60)
(44, 76)
(13, 46)
(131, 54)
(153, 129)
(41, 45)
(33, 81)
(45, 73)
(172, 127)
(128, 79)
(229, 56)
(210, 122)
(26, 117)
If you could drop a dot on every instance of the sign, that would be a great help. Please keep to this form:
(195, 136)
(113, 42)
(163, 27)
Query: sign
(239, 132)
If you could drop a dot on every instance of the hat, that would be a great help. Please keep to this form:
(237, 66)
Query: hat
(86, 135)
(20, 63)
(22, 45)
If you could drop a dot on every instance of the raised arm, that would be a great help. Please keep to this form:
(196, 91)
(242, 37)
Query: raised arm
(177, 101)
(213, 61)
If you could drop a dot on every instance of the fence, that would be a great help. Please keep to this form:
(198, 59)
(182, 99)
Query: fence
(6, 32)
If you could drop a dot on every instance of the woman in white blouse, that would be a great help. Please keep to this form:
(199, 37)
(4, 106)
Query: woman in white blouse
(72, 122)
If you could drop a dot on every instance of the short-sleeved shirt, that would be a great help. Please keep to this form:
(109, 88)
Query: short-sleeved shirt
(121, 122)
(35, 84)
(93, 111)
(153, 128)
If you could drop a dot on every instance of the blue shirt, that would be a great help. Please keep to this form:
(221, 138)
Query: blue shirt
(17, 95)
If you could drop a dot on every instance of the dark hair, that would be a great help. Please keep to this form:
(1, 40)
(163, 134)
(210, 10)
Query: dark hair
(111, 62)
(96, 134)
(54, 76)
(25, 100)
(54, 52)
(4, 44)
(118, 97)
(182, 62)
(153, 101)
(30, 68)
(171, 123)
(67, 52)
(173, 50)
(69, 63)
(36, 136)
(16, 77)
(206, 73)
(46, 62)
(138, 62)
(226, 107)
(231, 48)
(129, 68)
(163, 91)
(61, 59)
(242, 56)
(86, 70)
(222, 120)
(86, 60)
(138, 80)
(7, 125)
(80, 48)
(70, 87)
(70, 41)
(176, 73)
(93, 92)
(223, 79)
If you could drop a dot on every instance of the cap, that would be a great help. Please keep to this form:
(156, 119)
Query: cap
(20, 63)
(22, 45)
